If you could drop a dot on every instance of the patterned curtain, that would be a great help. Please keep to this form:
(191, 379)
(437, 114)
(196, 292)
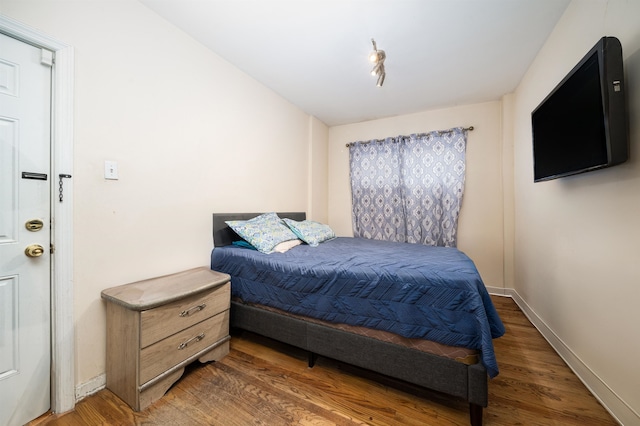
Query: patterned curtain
(409, 188)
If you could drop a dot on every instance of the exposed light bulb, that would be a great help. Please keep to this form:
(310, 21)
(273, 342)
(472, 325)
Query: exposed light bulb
(377, 69)
(378, 57)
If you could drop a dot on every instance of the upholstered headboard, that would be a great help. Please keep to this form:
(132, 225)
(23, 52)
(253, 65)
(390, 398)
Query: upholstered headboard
(223, 235)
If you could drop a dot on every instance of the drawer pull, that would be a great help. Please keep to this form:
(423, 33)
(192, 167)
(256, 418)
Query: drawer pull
(193, 310)
(197, 338)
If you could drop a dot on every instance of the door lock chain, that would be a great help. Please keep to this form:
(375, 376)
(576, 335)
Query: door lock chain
(61, 176)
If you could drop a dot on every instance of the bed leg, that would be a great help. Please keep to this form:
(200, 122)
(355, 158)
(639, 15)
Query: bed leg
(235, 331)
(475, 414)
(312, 359)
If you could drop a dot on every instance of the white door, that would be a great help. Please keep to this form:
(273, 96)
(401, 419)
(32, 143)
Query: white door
(25, 259)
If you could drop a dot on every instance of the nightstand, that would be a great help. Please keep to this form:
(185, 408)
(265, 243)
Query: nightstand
(156, 327)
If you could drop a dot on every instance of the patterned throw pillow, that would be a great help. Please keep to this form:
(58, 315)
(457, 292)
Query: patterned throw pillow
(312, 233)
(263, 232)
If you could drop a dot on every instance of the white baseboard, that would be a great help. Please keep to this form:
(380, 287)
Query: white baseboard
(94, 385)
(619, 409)
(498, 291)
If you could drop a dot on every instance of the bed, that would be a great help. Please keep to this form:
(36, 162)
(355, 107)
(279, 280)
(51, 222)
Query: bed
(393, 314)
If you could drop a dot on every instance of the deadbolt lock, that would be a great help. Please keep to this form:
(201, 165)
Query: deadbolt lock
(34, 250)
(34, 225)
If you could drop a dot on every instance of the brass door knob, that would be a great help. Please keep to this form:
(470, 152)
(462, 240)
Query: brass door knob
(34, 250)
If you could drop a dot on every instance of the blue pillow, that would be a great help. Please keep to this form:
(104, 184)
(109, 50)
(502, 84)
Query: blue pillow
(263, 232)
(312, 233)
(243, 243)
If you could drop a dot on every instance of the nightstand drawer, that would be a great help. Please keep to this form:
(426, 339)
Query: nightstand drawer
(163, 321)
(163, 355)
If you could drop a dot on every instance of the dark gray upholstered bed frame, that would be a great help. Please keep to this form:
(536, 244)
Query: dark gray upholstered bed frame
(468, 382)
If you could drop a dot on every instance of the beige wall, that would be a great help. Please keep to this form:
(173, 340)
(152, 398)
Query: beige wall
(480, 228)
(508, 190)
(318, 171)
(191, 134)
(577, 261)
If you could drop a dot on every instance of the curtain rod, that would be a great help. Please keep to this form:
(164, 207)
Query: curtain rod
(439, 132)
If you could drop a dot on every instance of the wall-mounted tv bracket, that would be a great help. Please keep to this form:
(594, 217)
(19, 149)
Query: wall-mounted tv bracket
(62, 176)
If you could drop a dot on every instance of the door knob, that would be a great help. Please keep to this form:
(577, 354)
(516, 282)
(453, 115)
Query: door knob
(34, 250)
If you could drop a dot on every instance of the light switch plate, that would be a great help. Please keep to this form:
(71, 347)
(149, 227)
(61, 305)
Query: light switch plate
(110, 170)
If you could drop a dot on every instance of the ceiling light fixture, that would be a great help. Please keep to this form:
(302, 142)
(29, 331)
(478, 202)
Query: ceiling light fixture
(378, 57)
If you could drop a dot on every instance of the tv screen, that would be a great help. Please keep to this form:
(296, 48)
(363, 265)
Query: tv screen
(582, 124)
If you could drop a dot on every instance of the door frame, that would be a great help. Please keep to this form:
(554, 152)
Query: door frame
(62, 327)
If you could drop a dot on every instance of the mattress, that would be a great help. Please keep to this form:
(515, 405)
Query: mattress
(412, 290)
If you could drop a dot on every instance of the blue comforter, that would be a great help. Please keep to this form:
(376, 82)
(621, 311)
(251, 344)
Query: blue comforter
(413, 290)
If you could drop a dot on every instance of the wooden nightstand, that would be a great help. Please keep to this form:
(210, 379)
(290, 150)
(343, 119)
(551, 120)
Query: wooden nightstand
(156, 327)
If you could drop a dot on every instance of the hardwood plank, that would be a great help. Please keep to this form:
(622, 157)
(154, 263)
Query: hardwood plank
(263, 382)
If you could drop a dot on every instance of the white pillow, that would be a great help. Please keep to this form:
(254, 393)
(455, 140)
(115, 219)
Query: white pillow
(287, 245)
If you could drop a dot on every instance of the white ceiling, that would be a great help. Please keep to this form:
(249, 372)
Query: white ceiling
(314, 53)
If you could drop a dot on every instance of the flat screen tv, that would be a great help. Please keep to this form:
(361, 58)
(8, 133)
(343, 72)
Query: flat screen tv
(582, 124)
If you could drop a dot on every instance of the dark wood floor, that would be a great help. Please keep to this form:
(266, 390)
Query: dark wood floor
(262, 382)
